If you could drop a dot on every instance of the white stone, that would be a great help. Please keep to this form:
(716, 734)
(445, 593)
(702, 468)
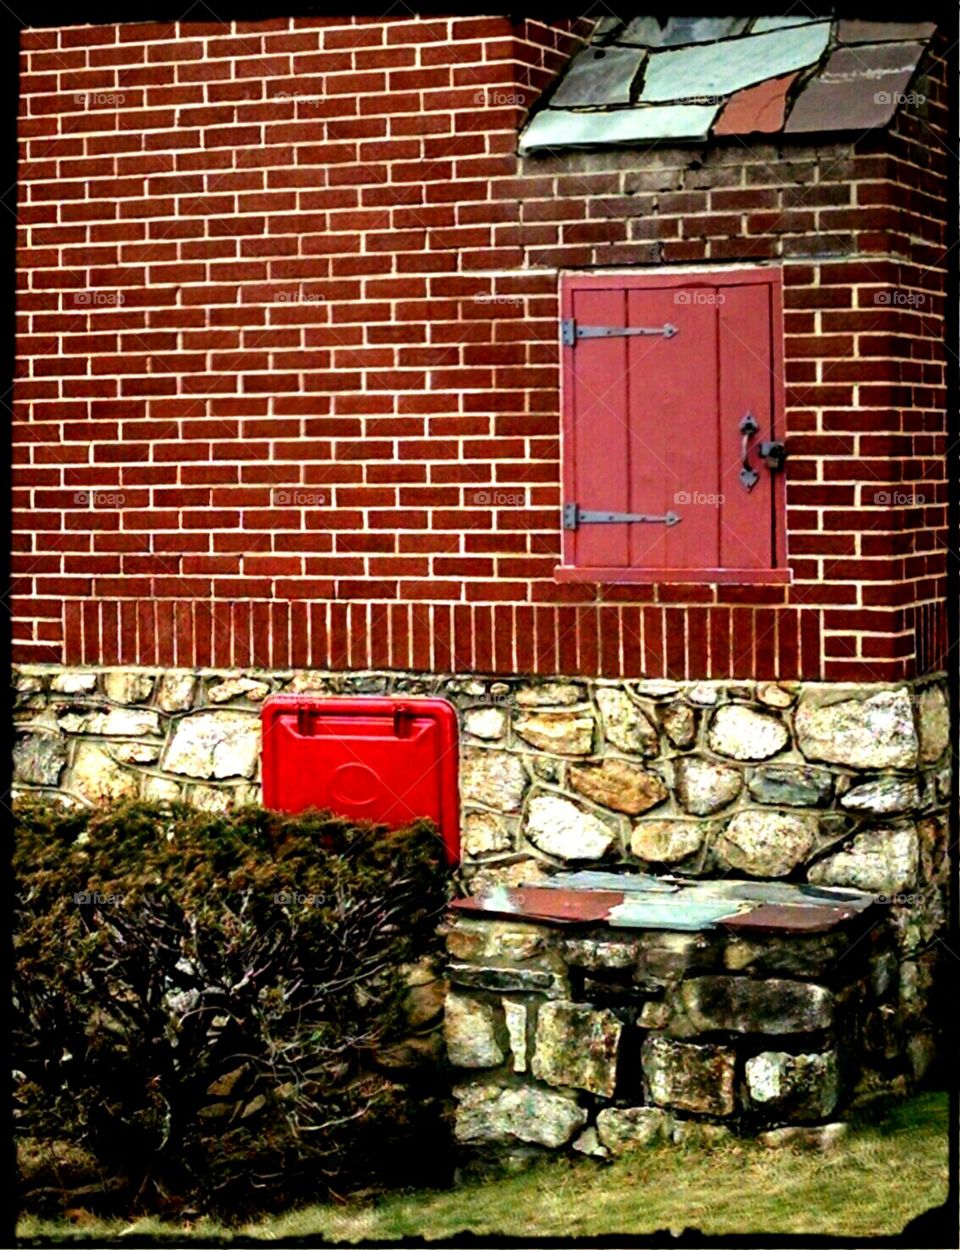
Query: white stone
(703, 693)
(774, 695)
(566, 733)
(883, 861)
(550, 693)
(116, 722)
(667, 841)
(74, 683)
(703, 787)
(124, 687)
(515, 1015)
(482, 833)
(933, 716)
(469, 1030)
(877, 732)
(485, 722)
(135, 752)
(657, 688)
(744, 734)
(627, 726)
(237, 687)
(221, 799)
(494, 778)
(98, 778)
(883, 796)
(767, 843)
(176, 692)
(214, 745)
(160, 790)
(560, 828)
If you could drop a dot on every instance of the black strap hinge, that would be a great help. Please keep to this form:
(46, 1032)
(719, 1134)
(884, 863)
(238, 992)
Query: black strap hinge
(570, 331)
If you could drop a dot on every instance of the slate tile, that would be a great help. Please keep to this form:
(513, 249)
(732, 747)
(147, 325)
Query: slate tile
(854, 31)
(562, 128)
(762, 24)
(599, 76)
(859, 89)
(647, 32)
(718, 69)
(756, 110)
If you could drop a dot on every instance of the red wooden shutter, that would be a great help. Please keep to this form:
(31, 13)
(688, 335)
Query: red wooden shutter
(652, 427)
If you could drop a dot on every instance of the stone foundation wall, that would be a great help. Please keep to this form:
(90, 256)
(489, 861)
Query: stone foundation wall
(834, 784)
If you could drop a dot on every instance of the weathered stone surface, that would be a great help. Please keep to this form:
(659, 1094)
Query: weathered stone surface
(667, 841)
(214, 744)
(135, 752)
(801, 1087)
(426, 993)
(74, 683)
(577, 1046)
(703, 787)
(883, 796)
(492, 778)
(488, 723)
(521, 980)
(766, 843)
(493, 939)
(160, 790)
(566, 733)
(560, 828)
(679, 724)
(588, 1143)
(703, 693)
(933, 720)
(550, 693)
(654, 1014)
(744, 734)
(525, 871)
(515, 1016)
(774, 695)
(791, 786)
(877, 732)
(116, 721)
(176, 692)
(657, 688)
(665, 956)
(594, 954)
(883, 861)
(470, 1033)
(745, 1005)
(220, 798)
(623, 1129)
(626, 725)
(236, 688)
(482, 833)
(127, 687)
(794, 956)
(97, 777)
(700, 1134)
(689, 1077)
(39, 759)
(489, 1113)
(813, 1137)
(618, 784)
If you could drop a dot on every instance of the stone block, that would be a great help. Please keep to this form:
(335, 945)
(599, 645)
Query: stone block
(39, 759)
(625, 723)
(525, 980)
(679, 723)
(176, 691)
(767, 843)
(515, 1016)
(493, 778)
(576, 1046)
(884, 861)
(703, 787)
(489, 723)
(689, 1077)
(624, 1129)
(933, 721)
(620, 785)
(494, 939)
(670, 840)
(470, 1033)
(214, 745)
(742, 733)
(490, 1113)
(98, 778)
(121, 687)
(565, 733)
(483, 833)
(565, 830)
(795, 1087)
(744, 1005)
(876, 732)
(782, 784)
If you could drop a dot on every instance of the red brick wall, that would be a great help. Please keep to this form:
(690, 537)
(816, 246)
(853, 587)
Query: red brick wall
(322, 426)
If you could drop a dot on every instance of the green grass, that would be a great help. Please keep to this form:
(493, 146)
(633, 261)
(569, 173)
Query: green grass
(890, 1169)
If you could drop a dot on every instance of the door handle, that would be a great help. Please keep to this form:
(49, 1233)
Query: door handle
(748, 474)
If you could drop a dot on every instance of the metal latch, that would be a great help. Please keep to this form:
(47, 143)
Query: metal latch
(574, 516)
(748, 474)
(570, 331)
(773, 456)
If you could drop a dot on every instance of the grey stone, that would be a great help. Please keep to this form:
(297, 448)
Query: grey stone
(689, 1077)
(883, 796)
(742, 733)
(515, 1016)
(745, 1005)
(791, 786)
(489, 723)
(566, 733)
(588, 1143)
(550, 694)
(933, 719)
(703, 787)
(490, 1113)
(236, 688)
(126, 687)
(620, 785)
(656, 688)
(876, 732)
(483, 833)
(39, 759)
(98, 778)
(668, 841)
(561, 128)
(624, 1129)
(795, 956)
(718, 69)
(576, 1046)
(598, 76)
(176, 692)
(679, 724)
(650, 32)
(519, 980)
(594, 954)
(854, 30)
(812, 1137)
(883, 861)
(801, 1087)
(214, 745)
(767, 843)
(470, 1033)
(561, 828)
(493, 778)
(626, 725)
(74, 683)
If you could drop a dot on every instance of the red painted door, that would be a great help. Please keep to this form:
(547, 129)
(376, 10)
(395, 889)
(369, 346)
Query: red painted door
(652, 425)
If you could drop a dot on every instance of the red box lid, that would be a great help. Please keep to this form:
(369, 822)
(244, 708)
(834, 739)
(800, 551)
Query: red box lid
(385, 760)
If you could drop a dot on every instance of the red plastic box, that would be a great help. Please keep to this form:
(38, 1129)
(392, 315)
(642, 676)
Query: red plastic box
(386, 760)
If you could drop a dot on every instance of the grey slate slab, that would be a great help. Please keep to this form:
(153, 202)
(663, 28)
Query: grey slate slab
(626, 882)
(564, 128)
(762, 24)
(649, 33)
(859, 89)
(599, 76)
(855, 31)
(680, 912)
(704, 71)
